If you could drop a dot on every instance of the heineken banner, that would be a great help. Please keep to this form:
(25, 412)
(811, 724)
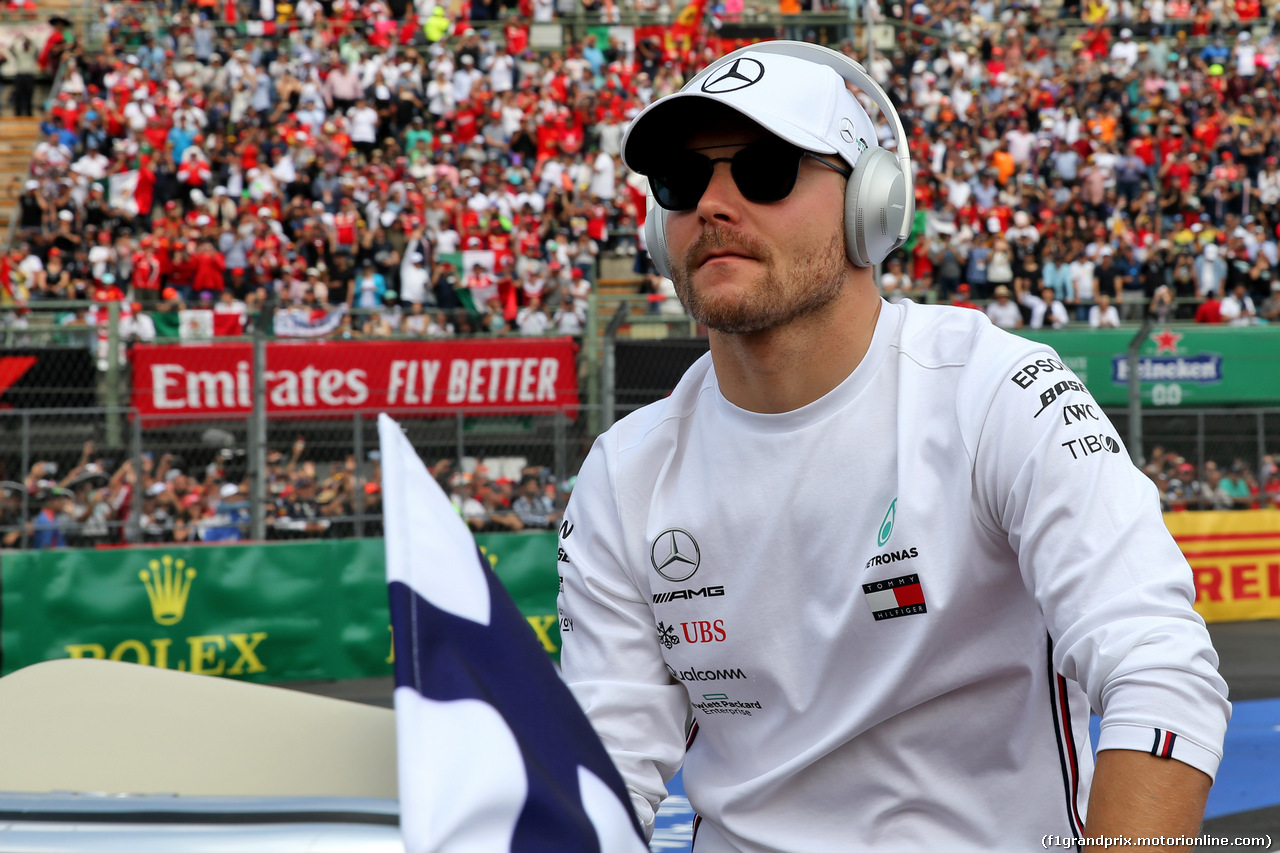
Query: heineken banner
(1178, 366)
(264, 612)
(1235, 557)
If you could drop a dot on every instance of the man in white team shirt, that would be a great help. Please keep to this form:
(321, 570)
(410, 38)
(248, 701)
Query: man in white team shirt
(888, 556)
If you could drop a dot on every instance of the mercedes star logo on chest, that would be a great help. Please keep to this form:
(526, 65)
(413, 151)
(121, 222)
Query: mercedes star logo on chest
(675, 554)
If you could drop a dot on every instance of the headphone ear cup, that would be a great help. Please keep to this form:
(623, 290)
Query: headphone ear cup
(655, 235)
(875, 204)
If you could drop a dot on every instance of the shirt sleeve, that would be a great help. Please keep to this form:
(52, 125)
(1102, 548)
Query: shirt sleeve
(610, 654)
(1053, 476)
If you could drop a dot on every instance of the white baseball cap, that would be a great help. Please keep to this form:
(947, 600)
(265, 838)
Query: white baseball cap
(802, 102)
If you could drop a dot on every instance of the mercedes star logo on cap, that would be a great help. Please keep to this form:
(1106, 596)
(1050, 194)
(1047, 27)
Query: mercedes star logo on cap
(744, 72)
(675, 554)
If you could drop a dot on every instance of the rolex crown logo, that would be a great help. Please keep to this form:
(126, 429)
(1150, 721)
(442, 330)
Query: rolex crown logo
(168, 581)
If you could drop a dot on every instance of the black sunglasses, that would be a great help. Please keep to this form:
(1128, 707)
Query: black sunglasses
(763, 171)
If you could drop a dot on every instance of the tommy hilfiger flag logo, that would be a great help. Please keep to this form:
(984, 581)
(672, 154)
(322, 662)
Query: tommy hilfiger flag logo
(895, 597)
(1163, 746)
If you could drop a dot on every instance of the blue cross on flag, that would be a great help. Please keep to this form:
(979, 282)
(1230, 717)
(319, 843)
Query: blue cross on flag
(494, 752)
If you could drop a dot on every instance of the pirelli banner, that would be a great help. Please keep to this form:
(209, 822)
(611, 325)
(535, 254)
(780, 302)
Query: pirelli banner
(1177, 366)
(310, 379)
(263, 612)
(1235, 558)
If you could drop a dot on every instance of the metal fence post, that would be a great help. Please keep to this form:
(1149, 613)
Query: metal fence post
(257, 438)
(133, 527)
(608, 368)
(25, 472)
(1135, 390)
(590, 342)
(1200, 441)
(462, 442)
(357, 449)
(1262, 438)
(560, 451)
(114, 436)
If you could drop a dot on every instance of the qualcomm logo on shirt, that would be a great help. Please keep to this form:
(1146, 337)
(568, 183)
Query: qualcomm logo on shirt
(735, 673)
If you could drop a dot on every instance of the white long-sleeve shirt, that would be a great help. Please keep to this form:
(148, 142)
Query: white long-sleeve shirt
(890, 610)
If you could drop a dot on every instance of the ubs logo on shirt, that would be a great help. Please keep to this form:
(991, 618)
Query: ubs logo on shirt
(703, 631)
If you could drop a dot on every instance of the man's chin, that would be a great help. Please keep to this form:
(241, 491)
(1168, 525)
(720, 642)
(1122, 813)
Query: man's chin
(739, 316)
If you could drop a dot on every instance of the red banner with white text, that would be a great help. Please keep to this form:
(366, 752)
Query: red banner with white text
(310, 379)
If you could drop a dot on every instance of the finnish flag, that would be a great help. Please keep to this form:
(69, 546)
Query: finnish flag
(494, 752)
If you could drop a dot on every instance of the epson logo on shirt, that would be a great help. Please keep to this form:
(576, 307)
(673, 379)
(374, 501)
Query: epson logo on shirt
(1026, 375)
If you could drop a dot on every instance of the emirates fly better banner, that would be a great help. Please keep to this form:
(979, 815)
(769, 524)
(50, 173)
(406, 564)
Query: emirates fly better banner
(307, 378)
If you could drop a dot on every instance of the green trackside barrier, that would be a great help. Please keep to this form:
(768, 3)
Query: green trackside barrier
(266, 612)
(1187, 366)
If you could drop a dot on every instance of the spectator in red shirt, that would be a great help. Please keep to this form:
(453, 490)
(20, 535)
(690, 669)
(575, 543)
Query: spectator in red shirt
(144, 192)
(1210, 311)
(961, 298)
(210, 270)
(145, 277)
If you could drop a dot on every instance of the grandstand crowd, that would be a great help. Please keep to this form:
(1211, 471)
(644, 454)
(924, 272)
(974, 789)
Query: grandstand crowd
(179, 500)
(410, 169)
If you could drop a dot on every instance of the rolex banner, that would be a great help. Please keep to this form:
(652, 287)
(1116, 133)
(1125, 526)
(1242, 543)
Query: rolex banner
(263, 612)
(1235, 559)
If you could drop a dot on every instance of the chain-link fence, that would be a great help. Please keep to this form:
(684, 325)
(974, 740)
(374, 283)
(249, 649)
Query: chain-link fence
(92, 456)
(191, 479)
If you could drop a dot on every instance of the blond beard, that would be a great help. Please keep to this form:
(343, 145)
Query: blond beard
(773, 302)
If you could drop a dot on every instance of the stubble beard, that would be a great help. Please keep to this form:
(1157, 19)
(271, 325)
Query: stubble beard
(773, 301)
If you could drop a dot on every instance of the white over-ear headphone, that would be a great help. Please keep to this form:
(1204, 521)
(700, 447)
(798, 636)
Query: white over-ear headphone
(879, 203)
